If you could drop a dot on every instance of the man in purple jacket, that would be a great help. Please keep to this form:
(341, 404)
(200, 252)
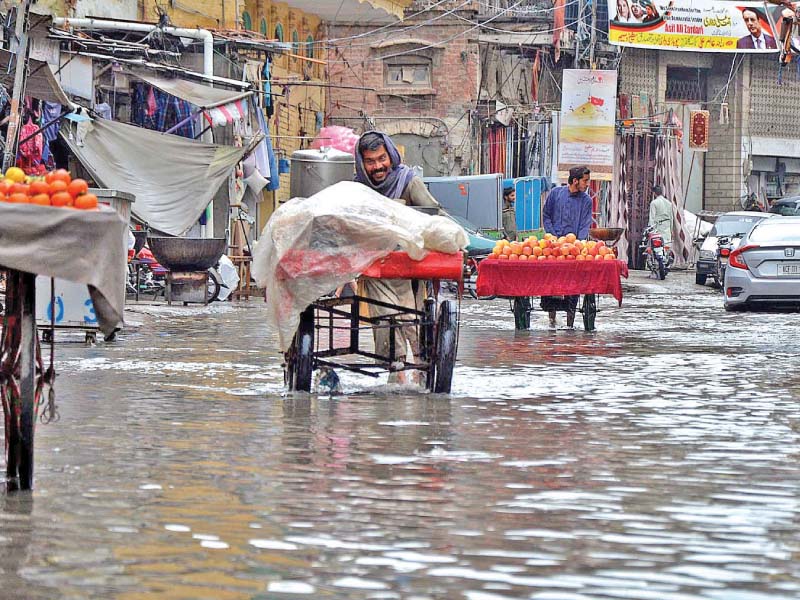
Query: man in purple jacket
(568, 209)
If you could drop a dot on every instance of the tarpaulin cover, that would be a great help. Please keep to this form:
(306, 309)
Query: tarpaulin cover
(311, 246)
(40, 83)
(551, 278)
(202, 96)
(173, 179)
(82, 246)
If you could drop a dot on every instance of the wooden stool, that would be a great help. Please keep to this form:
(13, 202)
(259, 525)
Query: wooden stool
(242, 264)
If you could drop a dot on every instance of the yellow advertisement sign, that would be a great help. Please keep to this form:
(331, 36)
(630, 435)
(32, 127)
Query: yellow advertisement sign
(697, 25)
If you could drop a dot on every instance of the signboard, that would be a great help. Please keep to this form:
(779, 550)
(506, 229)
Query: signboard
(698, 130)
(696, 25)
(588, 113)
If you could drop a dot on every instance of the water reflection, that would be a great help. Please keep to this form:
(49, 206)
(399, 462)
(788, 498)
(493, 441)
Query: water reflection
(634, 462)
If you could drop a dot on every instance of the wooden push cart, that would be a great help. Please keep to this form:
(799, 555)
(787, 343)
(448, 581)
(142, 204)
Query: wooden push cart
(330, 333)
(554, 281)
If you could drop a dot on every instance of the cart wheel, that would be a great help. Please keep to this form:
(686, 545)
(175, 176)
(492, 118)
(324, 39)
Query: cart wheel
(300, 362)
(589, 311)
(522, 313)
(444, 350)
(20, 396)
(214, 286)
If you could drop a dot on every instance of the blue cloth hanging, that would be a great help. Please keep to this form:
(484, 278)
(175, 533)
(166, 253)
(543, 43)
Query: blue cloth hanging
(274, 179)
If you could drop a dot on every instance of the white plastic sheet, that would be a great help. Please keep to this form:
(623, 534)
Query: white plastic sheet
(311, 246)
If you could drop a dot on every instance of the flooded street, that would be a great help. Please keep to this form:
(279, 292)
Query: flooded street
(656, 459)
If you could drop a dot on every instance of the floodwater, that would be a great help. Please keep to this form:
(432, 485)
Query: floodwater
(656, 459)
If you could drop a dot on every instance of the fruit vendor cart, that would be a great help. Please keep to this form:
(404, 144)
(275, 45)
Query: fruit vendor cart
(331, 329)
(50, 241)
(554, 279)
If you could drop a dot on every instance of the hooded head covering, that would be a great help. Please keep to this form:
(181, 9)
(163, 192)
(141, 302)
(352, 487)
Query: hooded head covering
(396, 179)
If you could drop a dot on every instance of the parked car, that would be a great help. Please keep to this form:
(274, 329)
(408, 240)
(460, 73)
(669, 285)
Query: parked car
(787, 207)
(732, 225)
(765, 269)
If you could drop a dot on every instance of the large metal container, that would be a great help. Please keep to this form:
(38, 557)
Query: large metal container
(314, 170)
(187, 254)
(119, 201)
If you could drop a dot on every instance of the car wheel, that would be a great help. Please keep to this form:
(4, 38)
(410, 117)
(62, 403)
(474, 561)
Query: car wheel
(700, 279)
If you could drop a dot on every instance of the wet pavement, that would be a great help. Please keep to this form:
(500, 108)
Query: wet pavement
(654, 459)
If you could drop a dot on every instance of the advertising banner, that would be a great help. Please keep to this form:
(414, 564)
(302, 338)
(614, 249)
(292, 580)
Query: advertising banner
(588, 114)
(697, 25)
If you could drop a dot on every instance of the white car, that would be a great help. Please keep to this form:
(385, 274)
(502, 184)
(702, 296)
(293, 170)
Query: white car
(730, 224)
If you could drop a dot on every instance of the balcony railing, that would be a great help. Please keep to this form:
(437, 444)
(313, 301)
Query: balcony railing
(513, 8)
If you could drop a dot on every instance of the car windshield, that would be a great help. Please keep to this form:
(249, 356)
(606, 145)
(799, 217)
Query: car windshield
(733, 225)
(464, 223)
(782, 233)
(787, 209)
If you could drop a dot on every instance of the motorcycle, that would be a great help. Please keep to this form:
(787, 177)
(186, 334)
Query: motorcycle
(725, 245)
(657, 255)
(148, 276)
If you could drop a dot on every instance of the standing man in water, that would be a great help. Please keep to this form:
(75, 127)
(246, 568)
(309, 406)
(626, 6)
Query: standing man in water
(568, 209)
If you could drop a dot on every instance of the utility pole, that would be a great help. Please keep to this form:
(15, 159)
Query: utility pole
(593, 35)
(20, 70)
(579, 29)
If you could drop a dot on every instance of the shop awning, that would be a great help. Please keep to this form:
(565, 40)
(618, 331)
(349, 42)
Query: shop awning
(173, 178)
(40, 84)
(202, 96)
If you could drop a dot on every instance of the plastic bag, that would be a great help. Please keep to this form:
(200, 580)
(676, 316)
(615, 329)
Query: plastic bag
(336, 136)
(311, 246)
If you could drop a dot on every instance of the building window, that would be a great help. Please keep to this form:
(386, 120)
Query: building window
(295, 44)
(279, 32)
(411, 71)
(263, 28)
(686, 84)
(247, 21)
(310, 46)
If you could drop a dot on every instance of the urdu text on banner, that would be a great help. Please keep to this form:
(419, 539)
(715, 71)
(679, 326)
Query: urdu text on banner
(698, 25)
(588, 116)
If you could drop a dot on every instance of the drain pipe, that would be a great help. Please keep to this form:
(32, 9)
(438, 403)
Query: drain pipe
(202, 35)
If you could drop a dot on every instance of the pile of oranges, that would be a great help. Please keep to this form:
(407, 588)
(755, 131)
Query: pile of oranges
(57, 188)
(550, 247)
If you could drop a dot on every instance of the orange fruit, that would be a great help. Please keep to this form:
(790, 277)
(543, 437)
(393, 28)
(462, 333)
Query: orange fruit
(523, 257)
(570, 257)
(493, 255)
(58, 175)
(19, 188)
(609, 257)
(542, 257)
(581, 257)
(38, 187)
(86, 201)
(513, 257)
(41, 199)
(57, 187)
(78, 187)
(506, 250)
(561, 257)
(527, 251)
(571, 237)
(503, 257)
(61, 199)
(19, 198)
(537, 251)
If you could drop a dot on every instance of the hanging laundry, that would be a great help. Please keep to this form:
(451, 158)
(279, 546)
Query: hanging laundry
(29, 157)
(51, 111)
(226, 114)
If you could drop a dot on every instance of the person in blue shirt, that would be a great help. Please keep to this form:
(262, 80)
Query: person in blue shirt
(568, 209)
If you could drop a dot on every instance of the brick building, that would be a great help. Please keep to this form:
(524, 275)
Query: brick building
(417, 80)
